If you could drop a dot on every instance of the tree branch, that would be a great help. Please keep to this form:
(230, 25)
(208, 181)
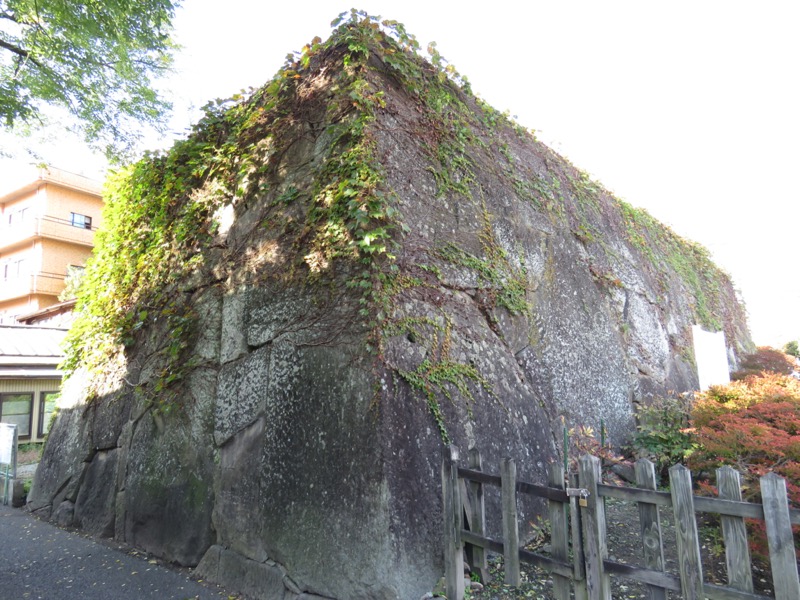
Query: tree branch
(21, 52)
(10, 16)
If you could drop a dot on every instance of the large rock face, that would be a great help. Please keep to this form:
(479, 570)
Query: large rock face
(324, 285)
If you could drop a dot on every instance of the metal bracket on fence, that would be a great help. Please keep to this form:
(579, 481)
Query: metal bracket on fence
(581, 493)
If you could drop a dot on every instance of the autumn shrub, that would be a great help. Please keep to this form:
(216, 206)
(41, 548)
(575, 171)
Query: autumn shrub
(586, 440)
(752, 425)
(764, 360)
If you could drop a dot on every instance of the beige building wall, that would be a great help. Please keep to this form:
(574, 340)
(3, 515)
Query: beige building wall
(55, 256)
(29, 200)
(49, 225)
(60, 202)
(11, 309)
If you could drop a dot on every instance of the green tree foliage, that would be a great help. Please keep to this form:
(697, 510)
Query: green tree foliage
(791, 349)
(96, 59)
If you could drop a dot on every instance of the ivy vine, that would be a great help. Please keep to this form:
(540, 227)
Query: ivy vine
(161, 216)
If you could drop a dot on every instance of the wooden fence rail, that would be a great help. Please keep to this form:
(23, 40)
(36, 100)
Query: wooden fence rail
(578, 558)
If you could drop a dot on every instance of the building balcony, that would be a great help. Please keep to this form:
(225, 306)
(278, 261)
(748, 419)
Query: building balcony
(47, 227)
(50, 284)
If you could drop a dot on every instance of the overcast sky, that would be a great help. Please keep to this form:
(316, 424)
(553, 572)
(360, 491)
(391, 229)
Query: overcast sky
(688, 109)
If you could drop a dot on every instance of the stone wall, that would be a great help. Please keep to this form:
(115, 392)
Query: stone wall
(298, 456)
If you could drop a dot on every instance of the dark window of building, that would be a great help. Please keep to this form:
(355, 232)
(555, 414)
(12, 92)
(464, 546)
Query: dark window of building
(77, 220)
(47, 406)
(16, 409)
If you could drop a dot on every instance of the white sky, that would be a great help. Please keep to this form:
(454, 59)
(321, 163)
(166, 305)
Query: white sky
(690, 109)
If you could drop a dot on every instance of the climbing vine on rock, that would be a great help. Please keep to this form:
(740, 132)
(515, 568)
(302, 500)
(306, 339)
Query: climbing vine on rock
(438, 374)
(334, 217)
(667, 252)
(160, 216)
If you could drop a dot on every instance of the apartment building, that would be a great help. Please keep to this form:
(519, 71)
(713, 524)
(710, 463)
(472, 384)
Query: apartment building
(47, 227)
(47, 224)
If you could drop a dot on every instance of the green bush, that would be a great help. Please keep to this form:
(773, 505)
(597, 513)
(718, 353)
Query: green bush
(664, 435)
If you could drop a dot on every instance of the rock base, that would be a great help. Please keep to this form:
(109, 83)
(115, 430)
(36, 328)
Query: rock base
(266, 580)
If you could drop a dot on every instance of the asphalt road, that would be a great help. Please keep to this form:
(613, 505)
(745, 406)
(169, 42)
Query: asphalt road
(39, 561)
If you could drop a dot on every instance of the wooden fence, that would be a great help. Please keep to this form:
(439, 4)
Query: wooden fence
(578, 559)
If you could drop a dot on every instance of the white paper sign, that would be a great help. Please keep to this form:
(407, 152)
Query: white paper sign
(711, 357)
(8, 439)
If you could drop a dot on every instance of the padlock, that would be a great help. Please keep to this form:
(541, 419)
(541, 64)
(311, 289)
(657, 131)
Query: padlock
(582, 495)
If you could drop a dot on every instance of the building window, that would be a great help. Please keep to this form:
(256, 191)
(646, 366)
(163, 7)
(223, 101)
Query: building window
(47, 406)
(13, 269)
(8, 318)
(81, 221)
(16, 409)
(18, 216)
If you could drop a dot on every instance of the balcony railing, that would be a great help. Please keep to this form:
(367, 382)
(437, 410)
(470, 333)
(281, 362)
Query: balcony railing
(46, 226)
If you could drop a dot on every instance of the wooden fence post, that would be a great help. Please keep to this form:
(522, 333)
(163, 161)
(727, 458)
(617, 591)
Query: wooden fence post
(650, 525)
(594, 530)
(779, 536)
(452, 513)
(578, 563)
(691, 569)
(559, 530)
(508, 478)
(478, 517)
(734, 533)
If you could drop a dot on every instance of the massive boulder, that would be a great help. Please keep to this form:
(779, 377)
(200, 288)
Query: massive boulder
(293, 312)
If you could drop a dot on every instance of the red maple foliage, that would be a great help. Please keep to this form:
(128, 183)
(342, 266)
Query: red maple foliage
(753, 425)
(764, 359)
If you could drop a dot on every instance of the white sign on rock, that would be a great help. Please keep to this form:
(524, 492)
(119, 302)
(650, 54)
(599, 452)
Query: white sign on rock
(8, 442)
(8, 458)
(711, 356)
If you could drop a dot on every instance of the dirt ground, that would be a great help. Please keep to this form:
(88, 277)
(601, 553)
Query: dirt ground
(624, 546)
(29, 453)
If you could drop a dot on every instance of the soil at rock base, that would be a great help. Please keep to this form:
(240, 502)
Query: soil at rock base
(624, 546)
(29, 455)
